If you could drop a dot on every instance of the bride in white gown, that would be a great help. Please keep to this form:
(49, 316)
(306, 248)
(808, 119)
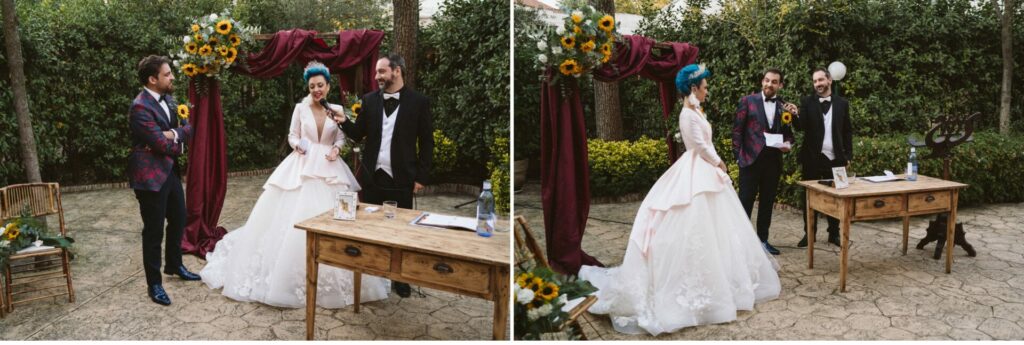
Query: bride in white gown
(265, 259)
(693, 257)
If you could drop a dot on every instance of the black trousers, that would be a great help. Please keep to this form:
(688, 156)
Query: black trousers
(383, 188)
(820, 167)
(167, 204)
(761, 181)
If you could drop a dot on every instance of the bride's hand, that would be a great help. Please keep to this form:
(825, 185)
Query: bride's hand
(333, 155)
(299, 150)
(724, 167)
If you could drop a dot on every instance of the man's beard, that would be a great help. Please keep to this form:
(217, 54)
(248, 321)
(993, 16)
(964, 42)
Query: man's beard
(385, 83)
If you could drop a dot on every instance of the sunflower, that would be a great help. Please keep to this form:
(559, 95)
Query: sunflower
(235, 40)
(198, 38)
(606, 49)
(205, 50)
(183, 111)
(189, 69)
(787, 117)
(568, 42)
(588, 46)
(548, 292)
(523, 278)
(535, 284)
(224, 27)
(231, 55)
(356, 108)
(606, 24)
(576, 16)
(606, 58)
(223, 50)
(12, 232)
(576, 30)
(203, 69)
(195, 27)
(568, 67)
(191, 47)
(213, 41)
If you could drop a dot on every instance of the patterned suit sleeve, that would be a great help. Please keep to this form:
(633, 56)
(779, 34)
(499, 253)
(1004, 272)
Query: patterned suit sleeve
(142, 123)
(425, 135)
(738, 126)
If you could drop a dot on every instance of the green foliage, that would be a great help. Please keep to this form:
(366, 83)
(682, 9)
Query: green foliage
(527, 86)
(20, 232)
(465, 68)
(80, 62)
(540, 294)
(500, 179)
(445, 150)
(621, 167)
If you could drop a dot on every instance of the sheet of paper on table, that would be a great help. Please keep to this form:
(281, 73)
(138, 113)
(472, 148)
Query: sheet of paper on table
(884, 178)
(445, 221)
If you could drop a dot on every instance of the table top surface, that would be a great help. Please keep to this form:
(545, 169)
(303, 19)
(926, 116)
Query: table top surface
(866, 188)
(397, 232)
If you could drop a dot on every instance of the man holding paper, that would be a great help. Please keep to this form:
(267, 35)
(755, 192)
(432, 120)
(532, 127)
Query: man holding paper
(760, 135)
(824, 119)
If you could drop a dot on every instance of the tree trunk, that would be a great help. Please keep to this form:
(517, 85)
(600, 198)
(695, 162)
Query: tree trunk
(1006, 18)
(407, 23)
(607, 108)
(26, 138)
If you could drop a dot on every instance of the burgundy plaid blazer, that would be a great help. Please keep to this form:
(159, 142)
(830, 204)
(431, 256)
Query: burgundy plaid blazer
(151, 159)
(749, 126)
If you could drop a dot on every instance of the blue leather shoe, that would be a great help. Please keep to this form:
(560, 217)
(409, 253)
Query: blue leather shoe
(771, 250)
(184, 274)
(157, 294)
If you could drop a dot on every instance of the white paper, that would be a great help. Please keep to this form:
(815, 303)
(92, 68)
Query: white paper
(446, 221)
(773, 140)
(888, 177)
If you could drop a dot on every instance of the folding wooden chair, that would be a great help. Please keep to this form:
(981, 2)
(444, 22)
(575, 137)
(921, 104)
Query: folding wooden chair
(529, 255)
(24, 271)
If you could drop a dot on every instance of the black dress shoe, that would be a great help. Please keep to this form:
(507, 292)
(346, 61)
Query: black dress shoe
(158, 295)
(803, 242)
(771, 250)
(184, 274)
(402, 289)
(834, 239)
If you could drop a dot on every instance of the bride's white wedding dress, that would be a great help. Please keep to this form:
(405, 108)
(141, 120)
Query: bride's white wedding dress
(265, 259)
(693, 256)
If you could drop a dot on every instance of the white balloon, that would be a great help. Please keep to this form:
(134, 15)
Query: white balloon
(837, 70)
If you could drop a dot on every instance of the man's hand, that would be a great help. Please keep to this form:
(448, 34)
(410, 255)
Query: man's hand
(786, 149)
(168, 134)
(792, 108)
(416, 188)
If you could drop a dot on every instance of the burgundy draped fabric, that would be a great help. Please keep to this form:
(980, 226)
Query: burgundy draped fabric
(207, 159)
(565, 172)
(207, 171)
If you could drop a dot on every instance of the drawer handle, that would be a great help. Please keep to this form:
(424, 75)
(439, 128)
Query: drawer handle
(929, 198)
(879, 203)
(443, 268)
(351, 250)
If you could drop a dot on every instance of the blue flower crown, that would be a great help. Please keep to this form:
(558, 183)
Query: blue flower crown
(315, 68)
(690, 75)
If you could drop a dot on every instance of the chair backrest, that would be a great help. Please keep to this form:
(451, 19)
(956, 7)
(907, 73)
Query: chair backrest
(42, 199)
(529, 254)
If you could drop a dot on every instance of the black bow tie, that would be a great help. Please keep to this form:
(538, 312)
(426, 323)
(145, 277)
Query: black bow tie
(390, 105)
(773, 99)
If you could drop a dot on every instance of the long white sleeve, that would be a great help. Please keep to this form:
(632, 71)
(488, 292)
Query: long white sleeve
(294, 136)
(339, 139)
(692, 127)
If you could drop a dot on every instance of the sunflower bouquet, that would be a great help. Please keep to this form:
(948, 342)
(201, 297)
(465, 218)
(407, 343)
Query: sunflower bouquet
(584, 41)
(540, 295)
(24, 232)
(213, 44)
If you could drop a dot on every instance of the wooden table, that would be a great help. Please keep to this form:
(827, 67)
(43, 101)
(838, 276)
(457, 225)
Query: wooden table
(865, 200)
(451, 260)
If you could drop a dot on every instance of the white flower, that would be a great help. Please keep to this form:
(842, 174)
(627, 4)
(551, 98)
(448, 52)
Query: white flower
(177, 64)
(542, 45)
(560, 30)
(588, 22)
(5, 243)
(562, 299)
(540, 312)
(577, 13)
(213, 17)
(542, 58)
(187, 39)
(524, 296)
(557, 50)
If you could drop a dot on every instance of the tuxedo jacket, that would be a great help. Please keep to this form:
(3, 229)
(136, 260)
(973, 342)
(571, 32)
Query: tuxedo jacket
(414, 126)
(152, 157)
(812, 123)
(751, 123)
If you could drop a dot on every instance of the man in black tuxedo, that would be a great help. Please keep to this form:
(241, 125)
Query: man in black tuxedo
(824, 119)
(393, 121)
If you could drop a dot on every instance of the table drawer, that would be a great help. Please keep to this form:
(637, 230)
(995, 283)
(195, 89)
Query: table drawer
(889, 205)
(929, 201)
(355, 253)
(825, 203)
(464, 275)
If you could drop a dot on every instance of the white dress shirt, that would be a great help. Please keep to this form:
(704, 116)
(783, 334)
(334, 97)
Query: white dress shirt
(163, 104)
(826, 143)
(387, 130)
(769, 109)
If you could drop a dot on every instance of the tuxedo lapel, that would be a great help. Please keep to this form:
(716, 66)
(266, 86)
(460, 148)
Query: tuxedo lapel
(761, 117)
(161, 116)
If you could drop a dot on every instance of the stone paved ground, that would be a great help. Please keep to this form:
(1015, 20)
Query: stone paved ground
(889, 296)
(112, 303)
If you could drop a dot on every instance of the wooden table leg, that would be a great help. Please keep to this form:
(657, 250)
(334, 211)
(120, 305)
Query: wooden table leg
(906, 233)
(812, 219)
(950, 232)
(844, 251)
(500, 282)
(358, 279)
(311, 273)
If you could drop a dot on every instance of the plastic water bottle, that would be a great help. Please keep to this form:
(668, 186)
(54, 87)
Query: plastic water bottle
(912, 166)
(485, 211)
